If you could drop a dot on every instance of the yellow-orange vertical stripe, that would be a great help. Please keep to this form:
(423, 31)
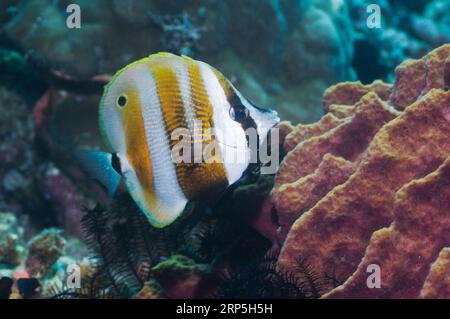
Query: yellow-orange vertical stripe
(197, 180)
(170, 98)
(203, 179)
(136, 141)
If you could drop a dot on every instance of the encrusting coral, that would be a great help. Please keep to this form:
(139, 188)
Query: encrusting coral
(405, 250)
(437, 284)
(44, 250)
(41, 263)
(11, 249)
(347, 142)
(305, 192)
(182, 277)
(368, 184)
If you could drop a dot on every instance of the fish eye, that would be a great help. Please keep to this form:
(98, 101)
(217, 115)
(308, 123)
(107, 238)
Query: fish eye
(121, 100)
(239, 113)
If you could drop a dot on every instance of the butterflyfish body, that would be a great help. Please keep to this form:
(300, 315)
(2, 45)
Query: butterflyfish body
(145, 109)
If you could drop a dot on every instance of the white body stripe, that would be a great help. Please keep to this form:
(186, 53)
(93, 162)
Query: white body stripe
(230, 134)
(167, 189)
(181, 70)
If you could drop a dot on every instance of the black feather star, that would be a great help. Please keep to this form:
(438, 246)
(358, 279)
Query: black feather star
(125, 248)
(262, 279)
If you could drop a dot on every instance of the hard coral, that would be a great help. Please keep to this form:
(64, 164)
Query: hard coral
(437, 284)
(182, 277)
(10, 236)
(414, 78)
(404, 251)
(304, 193)
(44, 250)
(150, 290)
(347, 140)
(368, 185)
(349, 93)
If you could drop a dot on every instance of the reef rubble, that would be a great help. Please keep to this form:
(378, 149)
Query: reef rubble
(35, 266)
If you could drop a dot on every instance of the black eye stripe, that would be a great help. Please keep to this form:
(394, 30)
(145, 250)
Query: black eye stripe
(115, 163)
(239, 112)
(247, 121)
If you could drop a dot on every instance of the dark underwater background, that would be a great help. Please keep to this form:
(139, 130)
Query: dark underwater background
(282, 54)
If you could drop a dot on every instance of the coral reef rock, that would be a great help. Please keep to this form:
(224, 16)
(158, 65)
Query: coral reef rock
(348, 93)
(409, 30)
(16, 156)
(405, 250)
(371, 186)
(182, 277)
(437, 284)
(304, 193)
(43, 261)
(151, 290)
(43, 251)
(39, 26)
(11, 233)
(286, 63)
(414, 78)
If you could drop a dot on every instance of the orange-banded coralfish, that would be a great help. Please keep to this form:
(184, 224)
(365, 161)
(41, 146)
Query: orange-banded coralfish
(141, 109)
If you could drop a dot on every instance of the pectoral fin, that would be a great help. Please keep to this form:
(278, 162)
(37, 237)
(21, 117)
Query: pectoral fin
(99, 166)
